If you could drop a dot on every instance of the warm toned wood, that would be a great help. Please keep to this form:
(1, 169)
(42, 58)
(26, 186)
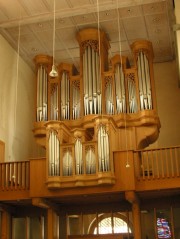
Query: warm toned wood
(105, 236)
(52, 224)
(123, 60)
(136, 220)
(134, 200)
(43, 59)
(125, 179)
(50, 232)
(40, 202)
(5, 225)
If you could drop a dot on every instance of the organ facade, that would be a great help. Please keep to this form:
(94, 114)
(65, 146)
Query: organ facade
(83, 117)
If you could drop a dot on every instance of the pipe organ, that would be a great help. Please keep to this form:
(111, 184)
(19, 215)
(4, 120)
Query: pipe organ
(81, 114)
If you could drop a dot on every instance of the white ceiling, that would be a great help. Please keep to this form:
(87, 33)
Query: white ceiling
(122, 20)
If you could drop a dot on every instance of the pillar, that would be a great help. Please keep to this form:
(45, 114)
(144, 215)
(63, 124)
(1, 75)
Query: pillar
(5, 225)
(133, 199)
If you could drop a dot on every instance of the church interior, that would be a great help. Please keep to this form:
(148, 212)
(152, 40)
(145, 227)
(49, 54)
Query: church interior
(89, 119)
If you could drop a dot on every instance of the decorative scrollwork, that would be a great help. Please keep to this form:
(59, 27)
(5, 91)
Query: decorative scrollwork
(92, 43)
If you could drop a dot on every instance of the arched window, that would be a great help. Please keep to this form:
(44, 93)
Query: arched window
(107, 226)
(111, 224)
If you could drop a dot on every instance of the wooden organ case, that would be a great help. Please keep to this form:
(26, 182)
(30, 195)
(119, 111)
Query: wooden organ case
(82, 118)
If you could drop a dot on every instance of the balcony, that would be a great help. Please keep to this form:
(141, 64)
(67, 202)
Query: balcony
(145, 170)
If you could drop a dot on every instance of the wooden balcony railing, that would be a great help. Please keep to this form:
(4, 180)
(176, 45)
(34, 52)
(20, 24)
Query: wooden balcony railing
(158, 163)
(14, 175)
(152, 165)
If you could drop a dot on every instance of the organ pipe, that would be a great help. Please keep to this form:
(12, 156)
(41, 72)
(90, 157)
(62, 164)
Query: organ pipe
(78, 157)
(132, 98)
(67, 163)
(65, 96)
(92, 85)
(109, 98)
(54, 154)
(120, 89)
(42, 78)
(54, 102)
(75, 100)
(144, 82)
(103, 149)
(143, 56)
(90, 160)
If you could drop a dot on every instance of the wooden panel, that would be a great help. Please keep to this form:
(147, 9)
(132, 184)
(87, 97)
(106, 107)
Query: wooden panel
(105, 236)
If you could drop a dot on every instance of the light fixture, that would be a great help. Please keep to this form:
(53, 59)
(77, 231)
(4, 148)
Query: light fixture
(53, 73)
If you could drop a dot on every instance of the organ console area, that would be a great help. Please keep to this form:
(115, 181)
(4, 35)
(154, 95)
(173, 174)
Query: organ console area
(83, 117)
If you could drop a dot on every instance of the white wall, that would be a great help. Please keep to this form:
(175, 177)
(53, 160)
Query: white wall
(168, 103)
(16, 113)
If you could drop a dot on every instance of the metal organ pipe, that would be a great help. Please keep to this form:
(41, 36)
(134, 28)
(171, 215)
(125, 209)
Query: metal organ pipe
(144, 82)
(42, 79)
(132, 96)
(92, 84)
(90, 161)
(54, 103)
(109, 99)
(120, 89)
(78, 157)
(67, 163)
(75, 101)
(65, 96)
(103, 149)
(54, 154)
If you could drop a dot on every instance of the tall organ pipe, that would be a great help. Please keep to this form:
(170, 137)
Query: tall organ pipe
(75, 101)
(144, 82)
(120, 89)
(42, 93)
(78, 156)
(92, 84)
(132, 96)
(54, 103)
(65, 96)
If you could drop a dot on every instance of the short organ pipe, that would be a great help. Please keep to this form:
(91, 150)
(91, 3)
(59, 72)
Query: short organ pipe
(54, 154)
(103, 149)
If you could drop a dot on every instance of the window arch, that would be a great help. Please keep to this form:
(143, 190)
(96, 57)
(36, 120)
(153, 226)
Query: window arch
(111, 224)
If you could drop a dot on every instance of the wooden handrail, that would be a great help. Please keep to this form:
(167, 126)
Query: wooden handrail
(157, 163)
(14, 175)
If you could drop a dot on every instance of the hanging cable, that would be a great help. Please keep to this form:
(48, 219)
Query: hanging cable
(99, 49)
(54, 72)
